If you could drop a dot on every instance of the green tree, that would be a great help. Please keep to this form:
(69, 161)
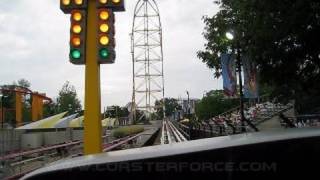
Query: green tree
(26, 112)
(24, 83)
(170, 104)
(68, 100)
(280, 36)
(213, 104)
(50, 109)
(116, 111)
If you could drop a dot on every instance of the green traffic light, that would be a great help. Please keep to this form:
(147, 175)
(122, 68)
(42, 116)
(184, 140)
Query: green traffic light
(104, 53)
(75, 54)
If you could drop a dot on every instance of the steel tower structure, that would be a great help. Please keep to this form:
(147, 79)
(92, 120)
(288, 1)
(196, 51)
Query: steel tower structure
(147, 57)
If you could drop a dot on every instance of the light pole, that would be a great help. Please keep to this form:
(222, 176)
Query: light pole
(230, 36)
(188, 106)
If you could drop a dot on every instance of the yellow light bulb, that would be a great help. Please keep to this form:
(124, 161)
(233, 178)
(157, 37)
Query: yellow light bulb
(104, 28)
(103, 1)
(78, 2)
(77, 29)
(77, 16)
(104, 40)
(104, 15)
(66, 2)
(76, 41)
(116, 1)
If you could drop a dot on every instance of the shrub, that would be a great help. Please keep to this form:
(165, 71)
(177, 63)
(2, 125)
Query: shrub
(126, 131)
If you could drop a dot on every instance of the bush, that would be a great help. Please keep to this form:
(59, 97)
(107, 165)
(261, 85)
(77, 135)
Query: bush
(126, 131)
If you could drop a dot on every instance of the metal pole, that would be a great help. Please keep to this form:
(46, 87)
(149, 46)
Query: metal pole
(92, 111)
(243, 119)
(243, 129)
(188, 106)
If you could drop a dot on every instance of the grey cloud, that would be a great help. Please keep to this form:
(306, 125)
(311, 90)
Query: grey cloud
(38, 34)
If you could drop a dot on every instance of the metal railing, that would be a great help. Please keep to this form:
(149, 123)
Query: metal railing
(222, 125)
(308, 120)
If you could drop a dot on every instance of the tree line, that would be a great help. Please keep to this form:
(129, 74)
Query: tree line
(281, 37)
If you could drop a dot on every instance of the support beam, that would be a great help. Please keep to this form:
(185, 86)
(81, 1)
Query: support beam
(92, 114)
(19, 107)
(34, 108)
(40, 108)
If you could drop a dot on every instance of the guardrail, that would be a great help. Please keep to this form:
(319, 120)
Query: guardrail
(40, 150)
(117, 143)
(106, 147)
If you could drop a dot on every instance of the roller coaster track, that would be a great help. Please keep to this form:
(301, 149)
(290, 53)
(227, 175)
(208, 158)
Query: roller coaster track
(170, 134)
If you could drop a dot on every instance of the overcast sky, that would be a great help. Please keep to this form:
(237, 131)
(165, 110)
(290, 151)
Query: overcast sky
(34, 37)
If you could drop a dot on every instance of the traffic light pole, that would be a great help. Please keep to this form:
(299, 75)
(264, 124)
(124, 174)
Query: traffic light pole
(92, 115)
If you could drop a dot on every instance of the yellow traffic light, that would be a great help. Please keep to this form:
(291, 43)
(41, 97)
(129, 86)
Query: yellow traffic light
(67, 6)
(114, 5)
(103, 1)
(76, 29)
(77, 16)
(104, 40)
(76, 41)
(78, 2)
(104, 15)
(106, 53)
(116, 1)
(66, 2)
(78, 36)
(104, 28)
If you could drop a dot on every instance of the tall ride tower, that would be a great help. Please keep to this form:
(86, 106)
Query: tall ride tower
(147, 57)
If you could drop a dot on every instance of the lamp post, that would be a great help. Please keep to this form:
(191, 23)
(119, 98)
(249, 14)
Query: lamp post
(188, 106)
(230, 36)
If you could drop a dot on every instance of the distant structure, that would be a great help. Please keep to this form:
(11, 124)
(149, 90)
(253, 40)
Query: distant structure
(147, 57)
(187, 107)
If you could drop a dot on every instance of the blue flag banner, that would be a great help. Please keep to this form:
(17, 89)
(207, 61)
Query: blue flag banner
(250, 78)
(229, 74)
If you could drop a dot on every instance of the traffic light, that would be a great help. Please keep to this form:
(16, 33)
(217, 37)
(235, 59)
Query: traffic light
(68, 5)
(106, 31)
(105, 39)
(78, 37)
(115, 5)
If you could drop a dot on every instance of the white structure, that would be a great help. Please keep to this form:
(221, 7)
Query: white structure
(147, 57)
